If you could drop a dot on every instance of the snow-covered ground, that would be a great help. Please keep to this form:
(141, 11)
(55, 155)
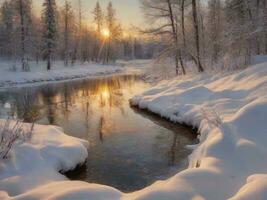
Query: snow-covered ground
(231, 112)
(230, 161)
(59, 72)
(39, 160)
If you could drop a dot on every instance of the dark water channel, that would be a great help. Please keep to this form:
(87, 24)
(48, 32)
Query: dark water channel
(129, 149)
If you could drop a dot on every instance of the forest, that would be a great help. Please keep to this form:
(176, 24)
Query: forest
(214, 34)
(60, 33)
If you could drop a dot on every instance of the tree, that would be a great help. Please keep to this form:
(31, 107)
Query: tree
(98, 20)
(238, 30)
(49, 30)
(215, 30)
(197, 40)
(164, 14)
(113, 33)
(24, 10)
(7, 29)
(67, 15)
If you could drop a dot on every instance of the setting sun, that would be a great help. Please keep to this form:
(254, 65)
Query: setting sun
(105, 33)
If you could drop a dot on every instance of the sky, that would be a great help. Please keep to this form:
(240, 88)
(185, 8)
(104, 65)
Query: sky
(128, 11)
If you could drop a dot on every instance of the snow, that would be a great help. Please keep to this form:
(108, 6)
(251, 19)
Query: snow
(39, 160)
(59, 72)
(229, 162)
(231, 155)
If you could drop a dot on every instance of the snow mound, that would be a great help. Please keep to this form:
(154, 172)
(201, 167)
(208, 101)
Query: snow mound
(39, 161)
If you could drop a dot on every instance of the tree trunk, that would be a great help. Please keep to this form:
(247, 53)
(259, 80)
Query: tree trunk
(183, 22)
(194, 10)
(178, 56)
(49, 62)
(181, 62)
(66, 35)
(22, 37)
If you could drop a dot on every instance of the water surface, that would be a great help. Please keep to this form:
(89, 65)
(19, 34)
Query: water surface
(129, 149)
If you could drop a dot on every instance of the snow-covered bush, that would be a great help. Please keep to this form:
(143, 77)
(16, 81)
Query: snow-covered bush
(13, 132)
(211, 116)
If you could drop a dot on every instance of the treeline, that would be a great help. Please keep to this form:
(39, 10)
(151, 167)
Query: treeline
(62, 33)
(213, 33)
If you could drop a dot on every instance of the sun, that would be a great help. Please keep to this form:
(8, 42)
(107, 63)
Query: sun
(105, 33)
(105, 94)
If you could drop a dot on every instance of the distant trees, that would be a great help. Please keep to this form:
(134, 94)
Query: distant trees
(246, 28)
(61, 33)
(16, 29)
(7, 30)
(219, 34)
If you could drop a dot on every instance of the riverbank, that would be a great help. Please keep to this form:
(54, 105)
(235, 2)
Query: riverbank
(230, 111)
(230, 161)
(59, 72)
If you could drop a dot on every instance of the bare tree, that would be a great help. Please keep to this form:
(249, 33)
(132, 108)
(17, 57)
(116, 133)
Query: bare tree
(197, 40)
(164, 14)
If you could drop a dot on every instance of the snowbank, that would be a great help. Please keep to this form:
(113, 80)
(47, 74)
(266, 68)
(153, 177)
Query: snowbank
(59, 72)
(230, 161)
(39, 161)
(231, 158)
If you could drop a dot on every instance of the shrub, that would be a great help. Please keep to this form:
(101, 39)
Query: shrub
(13, 132)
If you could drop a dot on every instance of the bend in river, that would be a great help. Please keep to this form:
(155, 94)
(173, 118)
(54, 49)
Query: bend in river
(129, 149)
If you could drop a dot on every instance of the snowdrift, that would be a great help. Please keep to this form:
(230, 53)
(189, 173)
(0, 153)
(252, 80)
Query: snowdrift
(231, 159)
(39, 160)
(230, 162)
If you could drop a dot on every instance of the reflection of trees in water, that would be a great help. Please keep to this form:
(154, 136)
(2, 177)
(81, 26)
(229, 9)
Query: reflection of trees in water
(181, 136)
(92, 97)
(49, 97)
(25, 105)
(174, 149)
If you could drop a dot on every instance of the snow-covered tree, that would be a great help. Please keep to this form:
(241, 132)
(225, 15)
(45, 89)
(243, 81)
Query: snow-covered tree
(164, 14)
(67, 15)
(98, 22)
(113, 33)
(49, 30)
(7, 29)
(215, 30)
(23, 8)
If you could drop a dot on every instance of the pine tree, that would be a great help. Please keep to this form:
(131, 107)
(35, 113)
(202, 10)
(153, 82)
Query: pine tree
(49, 30)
